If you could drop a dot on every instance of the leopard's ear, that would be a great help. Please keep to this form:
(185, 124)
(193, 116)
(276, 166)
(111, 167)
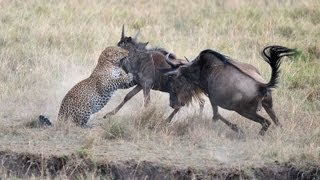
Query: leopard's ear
(105, 55)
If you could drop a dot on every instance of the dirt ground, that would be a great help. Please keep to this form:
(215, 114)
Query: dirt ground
(25, 165)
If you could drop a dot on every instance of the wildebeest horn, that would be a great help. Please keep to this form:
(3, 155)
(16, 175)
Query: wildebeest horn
(167, 56)
(187, 59)
(136, 35)
(172, 64)
(122, 34)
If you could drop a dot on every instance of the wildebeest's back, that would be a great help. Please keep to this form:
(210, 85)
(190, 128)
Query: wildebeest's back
(249, 70)
(212, 58)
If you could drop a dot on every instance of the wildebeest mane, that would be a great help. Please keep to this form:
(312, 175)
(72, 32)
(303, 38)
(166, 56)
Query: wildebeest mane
(195, 96)
(190, 92)
(220, 56)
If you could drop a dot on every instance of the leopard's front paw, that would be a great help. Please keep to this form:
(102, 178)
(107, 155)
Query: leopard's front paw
(130, 77)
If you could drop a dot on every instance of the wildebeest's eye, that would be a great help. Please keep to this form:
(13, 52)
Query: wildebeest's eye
(121, 43)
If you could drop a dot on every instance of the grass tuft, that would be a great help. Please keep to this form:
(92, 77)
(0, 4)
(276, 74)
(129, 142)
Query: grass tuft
(116, 130)
(83, 152)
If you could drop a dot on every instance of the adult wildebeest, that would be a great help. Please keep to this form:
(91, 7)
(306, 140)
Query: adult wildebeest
(144, 64)
(230, 84)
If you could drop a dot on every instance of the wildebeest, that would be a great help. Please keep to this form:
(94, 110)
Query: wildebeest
(144, 64)
(230, 84)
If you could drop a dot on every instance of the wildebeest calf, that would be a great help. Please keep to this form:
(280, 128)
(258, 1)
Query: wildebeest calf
(144, 64)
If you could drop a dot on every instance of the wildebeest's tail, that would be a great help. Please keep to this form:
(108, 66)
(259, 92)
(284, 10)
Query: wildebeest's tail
(272, 55)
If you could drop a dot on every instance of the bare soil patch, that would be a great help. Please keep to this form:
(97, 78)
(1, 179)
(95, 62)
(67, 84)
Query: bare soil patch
(74, 166)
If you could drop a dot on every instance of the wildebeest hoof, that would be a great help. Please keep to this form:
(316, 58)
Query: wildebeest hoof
(279, 125)
(236, 129)
(215, 119)
(108, 115)
(264, 128)
(86, 126)
(262, 132)
(168, 120)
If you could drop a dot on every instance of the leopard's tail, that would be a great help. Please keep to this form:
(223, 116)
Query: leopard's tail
(44, 121)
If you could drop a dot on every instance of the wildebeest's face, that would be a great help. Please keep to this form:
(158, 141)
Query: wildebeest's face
(175, 88)
(181, 86)
(130, 43)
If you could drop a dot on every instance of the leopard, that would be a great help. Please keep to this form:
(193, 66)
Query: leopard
(93, 93)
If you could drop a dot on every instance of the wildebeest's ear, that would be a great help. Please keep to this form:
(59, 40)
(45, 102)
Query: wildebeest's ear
(145, 44)
(122, 33)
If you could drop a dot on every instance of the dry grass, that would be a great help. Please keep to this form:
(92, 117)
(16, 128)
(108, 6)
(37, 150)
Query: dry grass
(48, 46)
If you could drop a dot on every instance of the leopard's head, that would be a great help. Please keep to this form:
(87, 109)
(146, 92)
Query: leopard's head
(114, 55)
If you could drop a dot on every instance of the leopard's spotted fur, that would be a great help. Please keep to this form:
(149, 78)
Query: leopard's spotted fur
(92, 94)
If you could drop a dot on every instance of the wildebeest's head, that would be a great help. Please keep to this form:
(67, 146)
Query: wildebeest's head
(131, 43)
(183, 83)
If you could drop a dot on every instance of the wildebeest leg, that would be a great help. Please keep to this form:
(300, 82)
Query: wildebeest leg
(146, 95)
(267, 105)
(174, 112)
(257, 118)
(217, 116)
(201, 104)
(234, 127)
(132, 93)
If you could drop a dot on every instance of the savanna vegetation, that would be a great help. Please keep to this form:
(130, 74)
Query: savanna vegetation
(46, 47)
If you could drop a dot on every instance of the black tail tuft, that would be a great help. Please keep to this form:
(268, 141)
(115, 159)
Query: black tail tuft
(44, 121)
(272, 55)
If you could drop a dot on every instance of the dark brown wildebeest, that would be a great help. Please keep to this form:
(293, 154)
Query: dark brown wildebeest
(144, 64)
(230, 84)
